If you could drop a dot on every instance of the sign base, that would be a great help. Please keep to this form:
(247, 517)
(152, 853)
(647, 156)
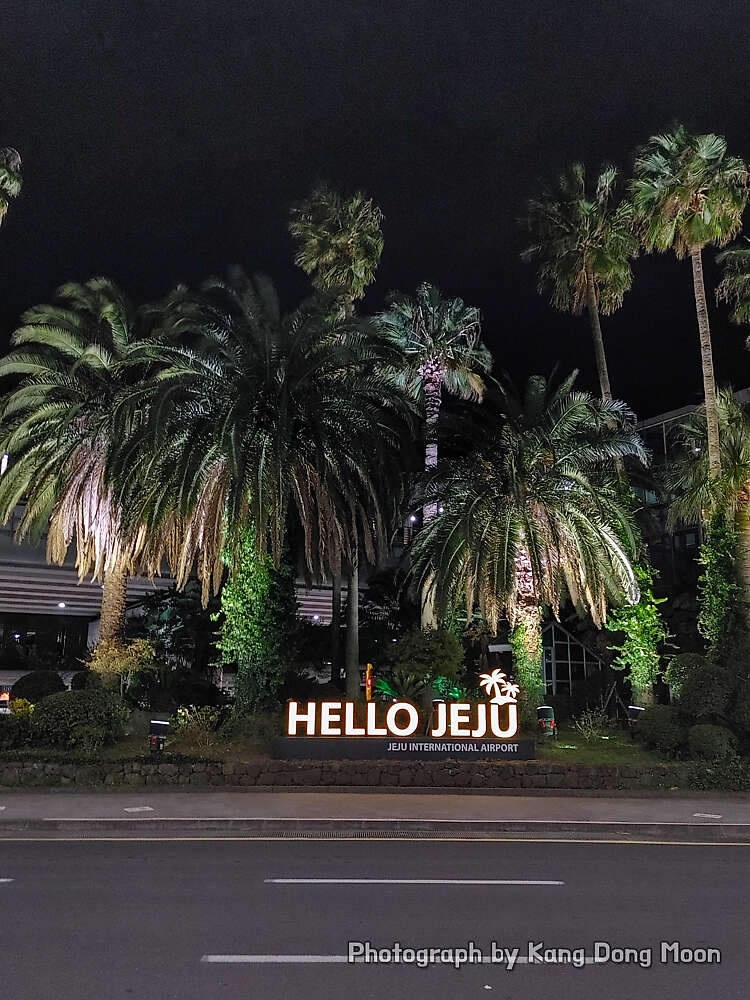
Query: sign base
(393, 748)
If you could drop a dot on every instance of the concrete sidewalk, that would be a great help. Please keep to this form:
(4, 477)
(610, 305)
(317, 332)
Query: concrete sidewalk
(146, 813)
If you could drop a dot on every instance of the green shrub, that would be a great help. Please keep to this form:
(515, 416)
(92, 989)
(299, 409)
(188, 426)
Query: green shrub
(661, 728)
(197, 725)
(680, 668)
(57, 718)
(592, 724)
(732, 774)
(402, 685)
(701, 689)
(85, 680)
(428, 653)
(88, 738)
(15, 731)
(37, 685)
(711, 742)
(21, 707)
(258, 730)
(740, 714)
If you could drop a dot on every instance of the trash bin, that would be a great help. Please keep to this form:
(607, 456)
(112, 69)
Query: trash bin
(545, 717)
(157, 735)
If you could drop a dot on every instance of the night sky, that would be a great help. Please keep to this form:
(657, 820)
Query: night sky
(162, 141)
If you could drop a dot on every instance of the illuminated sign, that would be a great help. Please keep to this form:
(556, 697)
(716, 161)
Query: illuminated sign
(497, 718)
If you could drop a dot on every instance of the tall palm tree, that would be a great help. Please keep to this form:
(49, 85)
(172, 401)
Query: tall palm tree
(583, 241)
(56, 426)
(339, 244)
(734, 287)
(689, 193)
(258, 422)
(339, 241)
(694, 491)
(439, 343)
(10, 178)
(533, 514)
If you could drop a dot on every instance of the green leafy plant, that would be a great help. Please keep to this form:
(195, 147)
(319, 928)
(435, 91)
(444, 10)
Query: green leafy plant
(592, 724)
(15, 731)
(118, 663)
(662, 728)
(428, 653)
(21, 708)
(731, 774)
(645, 634)
(57, 719)
(719, 591)
(197, 725)
(401, 685)
(711, 742)
(258, 627)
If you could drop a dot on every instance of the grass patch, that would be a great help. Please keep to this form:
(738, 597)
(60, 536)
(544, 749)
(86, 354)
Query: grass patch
(616, 748)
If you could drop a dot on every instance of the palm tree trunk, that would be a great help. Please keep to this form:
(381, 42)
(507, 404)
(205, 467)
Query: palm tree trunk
(707, 364)
(112, 615)
(742, 522)
(433, 382)
(592, 307)
(335, 628)
(352, 632)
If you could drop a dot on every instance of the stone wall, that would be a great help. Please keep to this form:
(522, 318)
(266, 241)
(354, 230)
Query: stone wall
(174, 772)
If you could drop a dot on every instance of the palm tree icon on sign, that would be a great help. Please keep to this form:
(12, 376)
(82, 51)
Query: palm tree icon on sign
(499, 689)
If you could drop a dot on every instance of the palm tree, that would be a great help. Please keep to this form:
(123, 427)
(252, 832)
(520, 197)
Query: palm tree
(533, 514)
(583, 242)
(438, 339)
(695, 492)
(56, 426)
(339, 244)
(688, 193)
(258, 422)
(734, 287)
(10, 178)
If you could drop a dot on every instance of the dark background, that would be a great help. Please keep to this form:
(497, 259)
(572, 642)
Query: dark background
(162, 141)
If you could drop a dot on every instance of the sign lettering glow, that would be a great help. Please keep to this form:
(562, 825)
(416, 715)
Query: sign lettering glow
(497, 718)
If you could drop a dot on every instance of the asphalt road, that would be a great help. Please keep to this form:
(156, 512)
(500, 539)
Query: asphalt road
(136, 919)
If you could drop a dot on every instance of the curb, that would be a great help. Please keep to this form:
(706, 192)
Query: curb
(574, 830)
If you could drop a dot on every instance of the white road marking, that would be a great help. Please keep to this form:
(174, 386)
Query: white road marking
(1, 808)
(708, 815)
(411, 881)
(138, 809)
(6, 879)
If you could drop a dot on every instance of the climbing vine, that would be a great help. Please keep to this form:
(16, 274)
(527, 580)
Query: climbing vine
(526, 647)
(718, 588)
(645, 633)
(258, 627)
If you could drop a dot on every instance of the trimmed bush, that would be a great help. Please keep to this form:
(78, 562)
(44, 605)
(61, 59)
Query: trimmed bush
(85, 680)
(711, 743)
(57, 720)
(661, 727)
(37, 685)
(700, 688)
(15, 731)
